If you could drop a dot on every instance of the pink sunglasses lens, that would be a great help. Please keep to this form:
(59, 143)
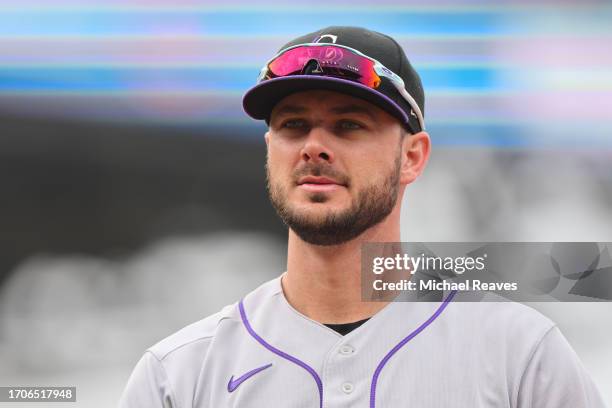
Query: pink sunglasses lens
(334, 61)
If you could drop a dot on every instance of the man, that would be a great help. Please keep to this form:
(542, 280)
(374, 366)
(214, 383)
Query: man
(346, 136)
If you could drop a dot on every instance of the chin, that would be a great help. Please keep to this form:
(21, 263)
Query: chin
(327, 200)
(331, 198)
(316, 211)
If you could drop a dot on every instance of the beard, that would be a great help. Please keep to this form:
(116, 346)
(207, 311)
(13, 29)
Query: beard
(373, 204)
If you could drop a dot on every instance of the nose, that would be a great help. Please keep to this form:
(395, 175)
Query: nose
(316, 147)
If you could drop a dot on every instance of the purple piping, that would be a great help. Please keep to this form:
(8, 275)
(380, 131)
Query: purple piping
(321, 78)
(280, 353)
(402, 343)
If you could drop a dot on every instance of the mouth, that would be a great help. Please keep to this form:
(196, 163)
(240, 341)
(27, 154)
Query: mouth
(319, 184)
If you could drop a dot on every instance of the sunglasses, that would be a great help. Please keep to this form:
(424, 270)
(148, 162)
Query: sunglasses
(338, 61)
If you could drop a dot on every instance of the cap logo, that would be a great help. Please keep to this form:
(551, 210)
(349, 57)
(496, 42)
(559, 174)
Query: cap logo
(312, 67)
(331, 36)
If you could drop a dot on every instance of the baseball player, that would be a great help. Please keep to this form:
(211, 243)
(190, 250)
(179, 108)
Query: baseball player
(346, 135)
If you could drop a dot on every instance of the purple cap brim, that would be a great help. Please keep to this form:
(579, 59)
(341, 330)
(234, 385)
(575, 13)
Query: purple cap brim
(259, 101)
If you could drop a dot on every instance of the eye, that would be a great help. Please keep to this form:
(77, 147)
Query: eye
(293, 124)
(350, 125)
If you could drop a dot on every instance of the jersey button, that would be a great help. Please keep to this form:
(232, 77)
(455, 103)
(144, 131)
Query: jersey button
(346, 350)
(347, 387)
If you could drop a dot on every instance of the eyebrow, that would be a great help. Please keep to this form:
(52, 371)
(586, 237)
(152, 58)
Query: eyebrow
(352, 108)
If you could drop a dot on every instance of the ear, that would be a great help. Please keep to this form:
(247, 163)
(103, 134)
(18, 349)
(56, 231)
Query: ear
(415, 154)
(267, 138)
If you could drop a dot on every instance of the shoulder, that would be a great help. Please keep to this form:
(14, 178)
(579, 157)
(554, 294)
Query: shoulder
(497, 330)
(555, 376)
(498, 315)
(193, 336)
(198, 335)
(166, 374)
(169, 371)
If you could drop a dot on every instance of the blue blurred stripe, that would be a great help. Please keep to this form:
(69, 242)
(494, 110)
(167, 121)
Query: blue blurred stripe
(15, 79)
(136, 77)
(237, 22)
(281, 22)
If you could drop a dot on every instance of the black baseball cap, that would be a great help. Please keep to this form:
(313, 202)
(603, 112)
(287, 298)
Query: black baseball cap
(259, 101)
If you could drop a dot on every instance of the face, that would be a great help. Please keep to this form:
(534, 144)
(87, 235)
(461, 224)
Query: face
(333, 165)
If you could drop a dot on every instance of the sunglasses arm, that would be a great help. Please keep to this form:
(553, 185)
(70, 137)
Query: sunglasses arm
(398, 83)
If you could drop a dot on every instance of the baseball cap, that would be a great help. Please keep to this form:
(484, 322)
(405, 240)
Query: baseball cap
(259, 101)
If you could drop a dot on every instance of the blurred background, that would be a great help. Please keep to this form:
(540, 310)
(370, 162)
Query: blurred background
(133, 199)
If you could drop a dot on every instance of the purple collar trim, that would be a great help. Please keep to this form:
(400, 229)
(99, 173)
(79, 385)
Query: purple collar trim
(401, 344)
(313, 373)
(281, 353)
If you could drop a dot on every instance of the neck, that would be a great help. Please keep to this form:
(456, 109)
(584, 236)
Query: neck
(324, 282)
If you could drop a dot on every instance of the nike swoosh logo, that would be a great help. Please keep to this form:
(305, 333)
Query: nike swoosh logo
(233, 384)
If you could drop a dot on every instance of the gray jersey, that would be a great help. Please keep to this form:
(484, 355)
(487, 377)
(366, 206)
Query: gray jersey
(261, 352)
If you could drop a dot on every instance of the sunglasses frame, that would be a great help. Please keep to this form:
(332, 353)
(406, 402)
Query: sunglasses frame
(379, 69)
